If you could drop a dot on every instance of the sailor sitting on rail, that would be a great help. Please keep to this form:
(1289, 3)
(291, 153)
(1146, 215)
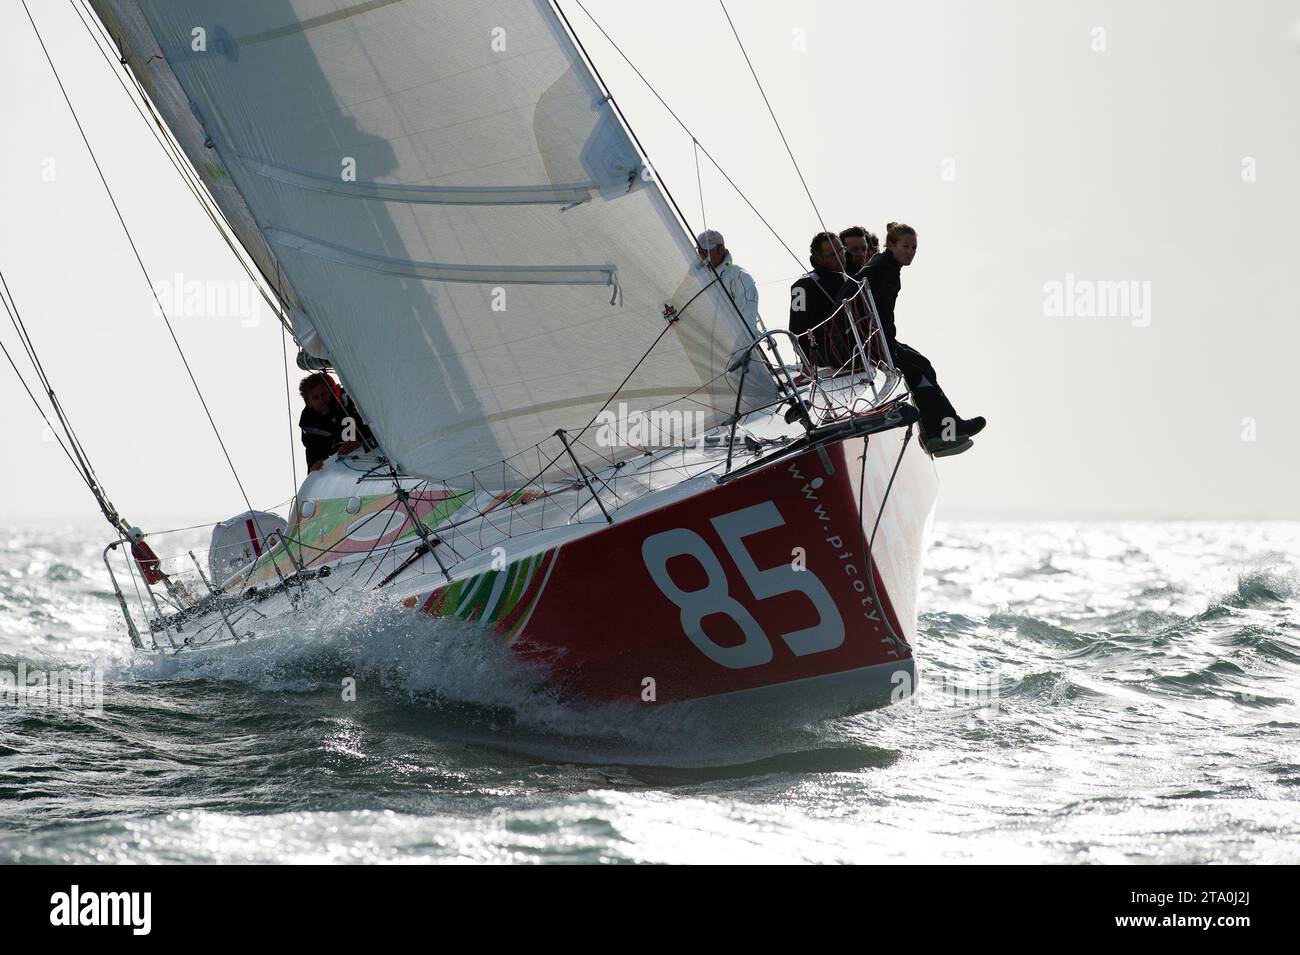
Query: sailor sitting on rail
(330, 422)
(860, 244)
(815, 298)
(943, 431)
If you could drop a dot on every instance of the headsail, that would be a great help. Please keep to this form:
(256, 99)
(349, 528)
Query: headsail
(465, 223)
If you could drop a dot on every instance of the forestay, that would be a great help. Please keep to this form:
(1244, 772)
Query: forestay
(463, 219)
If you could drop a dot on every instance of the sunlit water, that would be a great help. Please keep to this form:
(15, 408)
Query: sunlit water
(1092, 693)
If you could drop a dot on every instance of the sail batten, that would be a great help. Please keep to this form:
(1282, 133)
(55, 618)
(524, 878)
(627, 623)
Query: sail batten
(446, 272)
(312, 23)
(461, 195)
(442, 183)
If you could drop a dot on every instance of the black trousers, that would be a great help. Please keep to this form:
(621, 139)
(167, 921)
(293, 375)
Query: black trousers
(930, 400)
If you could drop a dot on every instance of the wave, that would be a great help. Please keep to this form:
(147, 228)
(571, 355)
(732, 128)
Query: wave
(1262, 588)
(464, 678)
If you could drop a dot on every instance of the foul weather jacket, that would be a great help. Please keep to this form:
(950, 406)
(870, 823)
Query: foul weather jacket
(813, 298)
(884, 275)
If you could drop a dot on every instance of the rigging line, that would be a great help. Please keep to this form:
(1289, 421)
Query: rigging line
(379, 561)
(583, 430)
(699, 183)
(180, 164)
(288, 405)
(140, 261)
(20, 327)
(658, 338)
(868, 543)
(150, 124)
(101, 28)
(194, 527)
(403, 497)
(189, 176)
(775, 121)
(7, 297)
(286, 319)
(164, 138)
(175, 155)
(41, 412)
(627, 126)
(400, 535)
(183, 168)
(543, 468)
(752, 208)
(663, 187)
(139, 597)
(16, 319)
(76, 455)
(648, 85)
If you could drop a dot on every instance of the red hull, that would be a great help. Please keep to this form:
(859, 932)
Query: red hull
(759, 582)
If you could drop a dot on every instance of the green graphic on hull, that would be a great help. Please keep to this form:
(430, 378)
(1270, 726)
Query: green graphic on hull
(328, 534)
(504, 598)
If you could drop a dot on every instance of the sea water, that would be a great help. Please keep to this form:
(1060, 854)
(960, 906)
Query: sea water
(1089, 693)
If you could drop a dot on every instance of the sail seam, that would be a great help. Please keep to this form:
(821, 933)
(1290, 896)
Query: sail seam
(318, 21)
(441, 195)
(443, 272)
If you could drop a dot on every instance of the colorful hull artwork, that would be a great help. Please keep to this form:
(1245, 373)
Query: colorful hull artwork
(331, 532)
(761, 581)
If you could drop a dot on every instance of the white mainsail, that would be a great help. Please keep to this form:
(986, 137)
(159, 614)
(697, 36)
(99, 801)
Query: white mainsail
(455, 207)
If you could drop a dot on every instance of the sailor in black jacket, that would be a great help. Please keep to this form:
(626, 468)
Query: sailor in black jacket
(327, 416)
(860, 245)
(942, 430)
(884, 274)
(815, 297)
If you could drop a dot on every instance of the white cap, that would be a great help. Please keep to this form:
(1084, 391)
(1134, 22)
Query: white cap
(135, 535)
(709, 239)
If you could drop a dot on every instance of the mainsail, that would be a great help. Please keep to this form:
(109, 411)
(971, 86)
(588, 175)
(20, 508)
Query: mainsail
(447, 197)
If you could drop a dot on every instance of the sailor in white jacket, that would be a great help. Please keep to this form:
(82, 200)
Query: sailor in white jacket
(738, 282)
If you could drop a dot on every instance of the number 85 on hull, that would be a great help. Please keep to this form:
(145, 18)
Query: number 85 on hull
(769, 592)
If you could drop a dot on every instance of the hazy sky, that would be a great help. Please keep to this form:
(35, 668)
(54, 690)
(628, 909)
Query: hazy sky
(1152, 144)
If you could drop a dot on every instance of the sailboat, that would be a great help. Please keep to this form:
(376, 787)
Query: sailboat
(581, 446)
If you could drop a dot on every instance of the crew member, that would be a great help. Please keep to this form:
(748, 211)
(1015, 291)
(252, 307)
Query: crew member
(738, 282)
(151, 566)
(943, 432)
(815, 297)
(327, 419)
(859, 246)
